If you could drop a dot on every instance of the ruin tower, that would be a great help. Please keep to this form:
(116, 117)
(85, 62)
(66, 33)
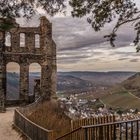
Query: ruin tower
(45, 55)
(2, 73)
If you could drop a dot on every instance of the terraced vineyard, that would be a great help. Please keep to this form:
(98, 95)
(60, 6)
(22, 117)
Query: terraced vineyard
(123, 99)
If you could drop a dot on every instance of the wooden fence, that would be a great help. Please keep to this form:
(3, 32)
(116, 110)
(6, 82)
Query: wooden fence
(30, 129)
(99, 128)
(77, 133)
(92, 121)
(36, 132)
(75, 124)
(122, 130)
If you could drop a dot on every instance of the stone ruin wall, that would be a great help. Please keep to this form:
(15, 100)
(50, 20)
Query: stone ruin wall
(45, 55)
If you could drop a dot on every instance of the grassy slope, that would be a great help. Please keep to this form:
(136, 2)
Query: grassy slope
(121, 100)
(125, 95)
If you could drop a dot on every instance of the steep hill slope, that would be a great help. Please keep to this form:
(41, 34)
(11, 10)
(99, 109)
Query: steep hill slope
(70, 81)
(125, 95)
(101, 78)
(132, 82)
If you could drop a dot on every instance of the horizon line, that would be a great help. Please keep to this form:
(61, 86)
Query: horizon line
(79, 71)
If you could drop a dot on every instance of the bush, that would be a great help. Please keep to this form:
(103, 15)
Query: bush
(50, 116)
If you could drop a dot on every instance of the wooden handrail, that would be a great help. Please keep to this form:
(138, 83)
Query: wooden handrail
(16, 110)
(81, 128)
(69, 133)
(113, 123)
(98, 125)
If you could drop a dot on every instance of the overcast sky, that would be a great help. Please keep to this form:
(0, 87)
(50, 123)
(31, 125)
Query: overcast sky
(80, 48)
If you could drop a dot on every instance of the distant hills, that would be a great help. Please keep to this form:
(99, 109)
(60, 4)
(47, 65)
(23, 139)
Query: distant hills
(71, 81)
(125, 95)
(12, 85)
(100, 78)
(132, 84)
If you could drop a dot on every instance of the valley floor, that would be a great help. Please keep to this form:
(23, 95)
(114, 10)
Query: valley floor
(6, 130)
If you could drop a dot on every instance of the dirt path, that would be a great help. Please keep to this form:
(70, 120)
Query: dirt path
(6, 121)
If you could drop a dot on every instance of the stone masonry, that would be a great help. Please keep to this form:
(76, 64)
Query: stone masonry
(45, 55)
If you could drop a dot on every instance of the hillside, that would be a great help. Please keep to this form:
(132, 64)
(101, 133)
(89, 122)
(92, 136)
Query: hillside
(70, 81)
(12, 86)
(125, 95)
(132, 84)
(100, 78)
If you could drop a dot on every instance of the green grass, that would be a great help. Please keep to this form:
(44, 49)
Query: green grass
(121, 100)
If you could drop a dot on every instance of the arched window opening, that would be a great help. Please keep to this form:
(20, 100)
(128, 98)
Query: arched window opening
(37, 41)
(22, 40)
(12, 76)
(8, 39)
(34, 78)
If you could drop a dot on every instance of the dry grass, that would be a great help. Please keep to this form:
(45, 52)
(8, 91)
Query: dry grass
(50, 116)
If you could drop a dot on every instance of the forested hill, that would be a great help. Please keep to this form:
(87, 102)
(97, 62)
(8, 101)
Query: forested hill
(67, 81)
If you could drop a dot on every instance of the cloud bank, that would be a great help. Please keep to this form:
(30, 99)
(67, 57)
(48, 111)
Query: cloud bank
(79, 47)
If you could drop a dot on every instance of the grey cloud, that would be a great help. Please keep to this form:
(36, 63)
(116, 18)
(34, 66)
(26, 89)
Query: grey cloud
(134, 60)
(72, 33)
(125, 54)
(68, 61)
(70, 58)
(77, 40)
(121, 59)
(83, 44)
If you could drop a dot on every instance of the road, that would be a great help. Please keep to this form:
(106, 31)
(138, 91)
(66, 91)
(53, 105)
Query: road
(6, 130)
(134, 95)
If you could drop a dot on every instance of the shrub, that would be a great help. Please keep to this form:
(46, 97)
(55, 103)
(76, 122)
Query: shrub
(50, 116)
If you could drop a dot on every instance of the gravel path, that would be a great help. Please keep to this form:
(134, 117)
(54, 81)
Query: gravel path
(6, 131)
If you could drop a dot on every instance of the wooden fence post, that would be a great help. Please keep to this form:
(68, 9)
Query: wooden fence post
(51, 136)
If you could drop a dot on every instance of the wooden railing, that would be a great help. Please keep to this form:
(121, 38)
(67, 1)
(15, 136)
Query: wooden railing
(122, 130)
(30, 129)
(101, 128)
(92, 121)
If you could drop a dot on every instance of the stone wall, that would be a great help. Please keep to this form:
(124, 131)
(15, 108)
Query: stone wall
(45, 55)
(2, 73)
(37, 89)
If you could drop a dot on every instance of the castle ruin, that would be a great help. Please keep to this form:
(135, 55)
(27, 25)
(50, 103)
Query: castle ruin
(45, 55)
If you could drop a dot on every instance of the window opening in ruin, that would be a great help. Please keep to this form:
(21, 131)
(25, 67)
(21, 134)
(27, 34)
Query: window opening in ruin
(22, 40)
(34, 74)
(37, 41)
(8, 39)
(13, 79)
